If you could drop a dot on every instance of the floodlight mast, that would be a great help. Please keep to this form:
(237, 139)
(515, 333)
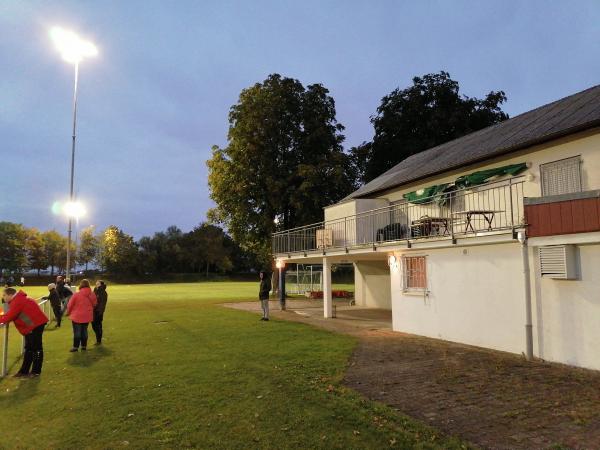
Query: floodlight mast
(73, 50)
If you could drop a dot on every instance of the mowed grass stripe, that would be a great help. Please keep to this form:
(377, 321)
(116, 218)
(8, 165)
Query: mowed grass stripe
(178, 370)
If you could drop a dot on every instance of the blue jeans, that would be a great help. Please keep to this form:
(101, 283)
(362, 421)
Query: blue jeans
(80, 334)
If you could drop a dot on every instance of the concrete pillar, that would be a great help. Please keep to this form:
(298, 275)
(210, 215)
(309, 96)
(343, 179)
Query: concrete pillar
(327, 297)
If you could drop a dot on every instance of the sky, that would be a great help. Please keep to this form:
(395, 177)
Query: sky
(156, 99)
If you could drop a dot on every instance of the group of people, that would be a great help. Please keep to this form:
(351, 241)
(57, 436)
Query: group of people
(83, 307)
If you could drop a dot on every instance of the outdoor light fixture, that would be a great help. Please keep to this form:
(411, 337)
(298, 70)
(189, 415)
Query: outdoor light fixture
(72, 48)
(279, 264)
(74, 210)
(393, 262)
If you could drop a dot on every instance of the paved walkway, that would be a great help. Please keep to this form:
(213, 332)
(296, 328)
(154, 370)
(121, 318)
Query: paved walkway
(493, 399)
(349, 319)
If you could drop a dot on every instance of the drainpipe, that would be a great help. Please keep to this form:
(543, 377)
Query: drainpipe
(522, 237)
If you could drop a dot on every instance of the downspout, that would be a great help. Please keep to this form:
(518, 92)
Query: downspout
(527, 290)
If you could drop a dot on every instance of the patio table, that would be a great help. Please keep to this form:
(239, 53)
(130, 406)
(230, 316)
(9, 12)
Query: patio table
(488, 216)
(426, 225)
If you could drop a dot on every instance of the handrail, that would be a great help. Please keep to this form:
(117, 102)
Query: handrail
(481, 188)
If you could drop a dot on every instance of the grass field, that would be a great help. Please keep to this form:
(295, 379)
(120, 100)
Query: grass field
(178, 370)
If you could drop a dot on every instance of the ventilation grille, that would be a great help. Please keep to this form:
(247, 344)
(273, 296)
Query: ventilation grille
(558, 261)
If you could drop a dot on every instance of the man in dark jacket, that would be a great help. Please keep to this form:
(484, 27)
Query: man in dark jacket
(64, 291)
(263, 293)
(55, 302)
(102, 297)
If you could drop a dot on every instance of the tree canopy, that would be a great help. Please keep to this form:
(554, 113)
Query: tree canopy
(283, 163)
(430, 112)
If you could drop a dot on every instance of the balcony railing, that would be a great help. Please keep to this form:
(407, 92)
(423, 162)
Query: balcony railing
(493, 207)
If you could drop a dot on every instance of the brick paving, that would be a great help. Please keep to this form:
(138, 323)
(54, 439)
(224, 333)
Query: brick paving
(494, 400)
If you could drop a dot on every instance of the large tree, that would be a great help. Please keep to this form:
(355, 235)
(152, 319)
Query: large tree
(13, 256)
(284, 160)
(55, 246)
(206, 246)
(428, 113)
(119, 252)
(36, 250)
(88, 247)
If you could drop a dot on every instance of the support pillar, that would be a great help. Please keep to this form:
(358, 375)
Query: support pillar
(282, 294)
(327, 296)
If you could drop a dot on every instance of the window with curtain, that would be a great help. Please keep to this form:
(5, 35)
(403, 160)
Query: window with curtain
(561, 177)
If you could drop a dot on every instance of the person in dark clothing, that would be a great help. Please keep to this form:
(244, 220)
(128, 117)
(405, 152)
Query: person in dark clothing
(55, 302)
(102, 297)
(263, 293)
(64, 291)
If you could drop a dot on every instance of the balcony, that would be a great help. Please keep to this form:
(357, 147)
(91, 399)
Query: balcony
(578, 212)
(485, 209)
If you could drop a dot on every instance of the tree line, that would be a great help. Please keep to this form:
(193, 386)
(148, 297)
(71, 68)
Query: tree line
(284, 159)
(206, 248)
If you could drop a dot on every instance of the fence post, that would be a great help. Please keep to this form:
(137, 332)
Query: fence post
(5, 351)
(512, 218)
(345, 235)
(451, 218)
(373, 229)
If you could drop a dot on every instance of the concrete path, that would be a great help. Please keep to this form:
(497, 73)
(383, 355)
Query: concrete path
(349, 319)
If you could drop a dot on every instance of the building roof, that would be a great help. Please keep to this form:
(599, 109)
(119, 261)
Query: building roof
(566, 116)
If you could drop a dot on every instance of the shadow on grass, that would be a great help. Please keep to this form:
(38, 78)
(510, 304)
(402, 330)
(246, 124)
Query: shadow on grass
(26, 389)
(89, 357)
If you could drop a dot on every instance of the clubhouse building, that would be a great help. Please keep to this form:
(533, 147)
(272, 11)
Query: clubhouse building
(492, 239)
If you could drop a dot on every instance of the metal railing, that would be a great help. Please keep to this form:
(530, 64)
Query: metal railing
(47, 309)
(493, 207)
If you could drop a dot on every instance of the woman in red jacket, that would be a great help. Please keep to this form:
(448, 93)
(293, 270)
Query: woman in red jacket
(81, 311)
(30, 321)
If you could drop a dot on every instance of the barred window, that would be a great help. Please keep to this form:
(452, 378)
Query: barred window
(415, 273)
(561, 177)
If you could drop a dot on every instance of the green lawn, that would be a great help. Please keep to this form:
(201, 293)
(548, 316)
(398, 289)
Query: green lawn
(177, 370)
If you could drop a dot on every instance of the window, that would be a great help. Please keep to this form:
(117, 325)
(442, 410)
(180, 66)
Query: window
(561, 177)
(415, 273)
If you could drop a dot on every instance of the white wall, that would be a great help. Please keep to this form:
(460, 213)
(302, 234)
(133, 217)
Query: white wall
(475, 297)
(566, 313)
(372, 284)
(348, 229)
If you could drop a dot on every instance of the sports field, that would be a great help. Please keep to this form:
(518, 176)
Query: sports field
(178, 370)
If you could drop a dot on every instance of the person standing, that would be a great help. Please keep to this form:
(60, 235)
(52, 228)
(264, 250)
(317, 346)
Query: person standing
(64, 291)
(81, 311)
(102, 298)
(263, 293)
(55, 302)
(30, 320)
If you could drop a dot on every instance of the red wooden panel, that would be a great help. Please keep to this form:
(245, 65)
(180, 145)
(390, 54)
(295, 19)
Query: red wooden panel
(566, 215)
(544, 219)
(573, 216)
(577, 211)
(590, 214)
(554, 218)
(532, 220)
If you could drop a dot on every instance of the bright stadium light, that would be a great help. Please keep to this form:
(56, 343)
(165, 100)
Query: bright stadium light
(74, 210)
(72, 48)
